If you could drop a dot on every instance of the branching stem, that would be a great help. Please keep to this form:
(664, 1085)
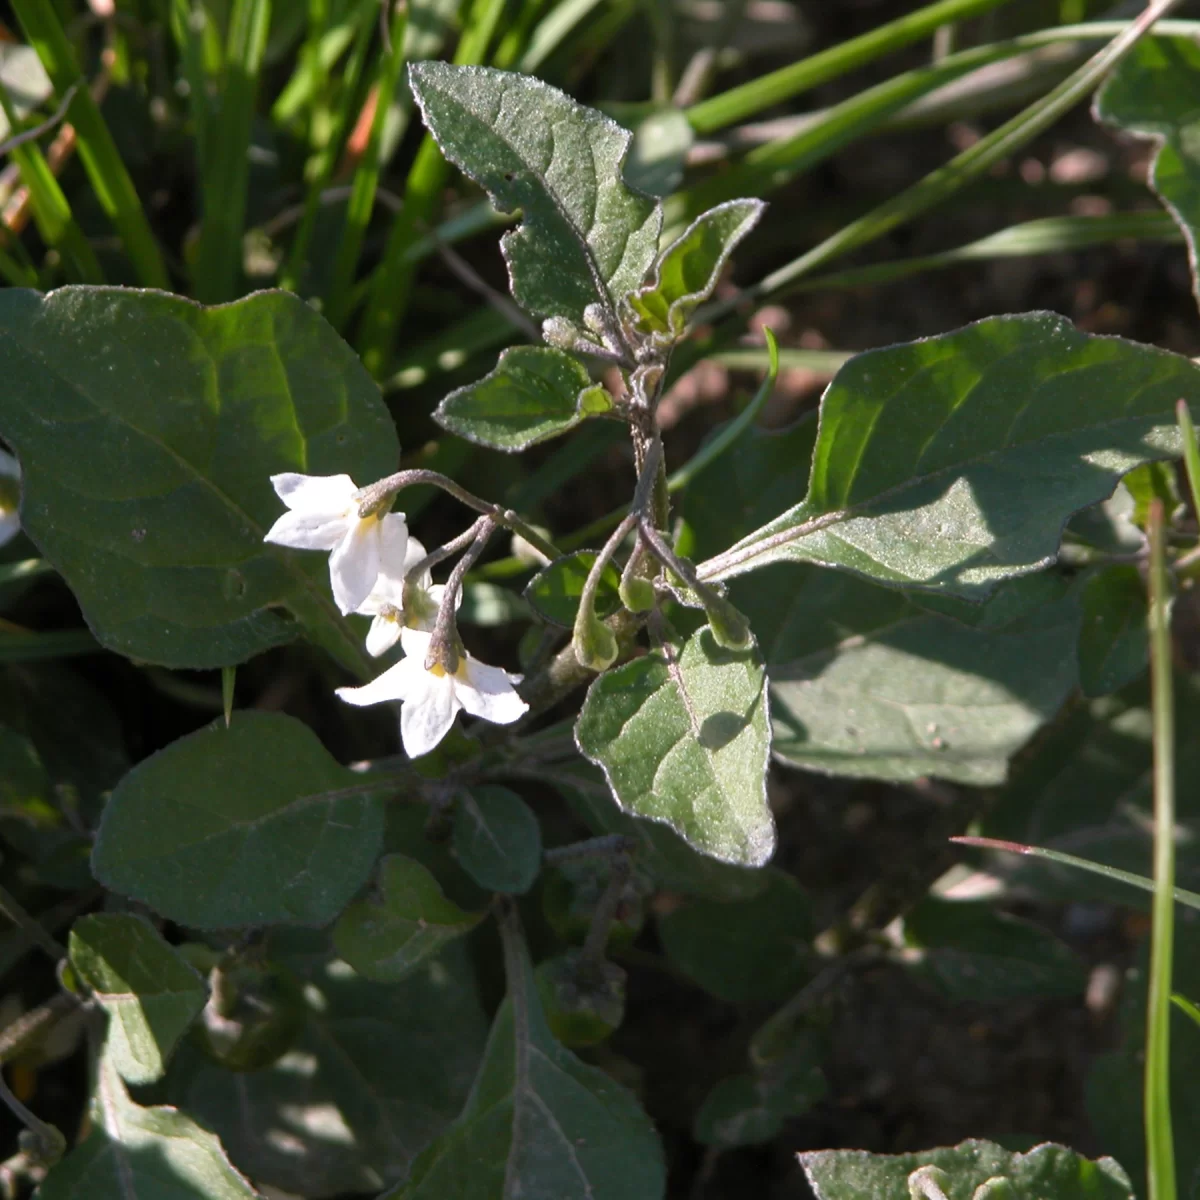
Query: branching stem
(444, 647)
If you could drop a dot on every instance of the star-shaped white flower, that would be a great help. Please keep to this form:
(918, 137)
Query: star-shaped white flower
(432, 698)
(323, 515)
(387, 602)
(10, 496)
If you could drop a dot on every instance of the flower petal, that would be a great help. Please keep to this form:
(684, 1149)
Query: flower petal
(383, 635)
(396, 683)
(428, 714)
(416, 643)
(488, 692)
(354, 564)
(315, 493)
(308, 530)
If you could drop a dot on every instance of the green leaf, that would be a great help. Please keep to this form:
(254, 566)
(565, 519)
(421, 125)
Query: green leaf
(555, 590)
(150, 993)
(132, 1152)
(535, 393)
(866, 683)
(497, 839)
(585, 238)
(1113, 642)
(744, 951)
(974, 1170)
(953, 463)
(659, 851)
(378, 1071)
(1147, 483)
(539, 1122)
(747, 1109)
(251, 825)
(24, 79)
(689, 269)
(387, 937)
(1153, 93)
(972, 953)
(148, 429)
(684, 737)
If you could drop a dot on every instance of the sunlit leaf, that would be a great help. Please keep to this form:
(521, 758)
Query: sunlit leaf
(690, 268)
(972, 1170)
(151, 995)
(683, 736)
(132, 1152)
(534, 393)
(251, 825)
(954, 462)
(585, 237)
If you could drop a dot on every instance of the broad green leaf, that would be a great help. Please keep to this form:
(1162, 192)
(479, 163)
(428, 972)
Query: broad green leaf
(1154, 93)
(150, 993)
(24, 79)
(1113, 641)
(539, 1122)
(750, 1108)
(555, 590)
(744, 951)
(251, 825)
(388, 937)
(1147, 483)
(497, 839)
(689, 269)
(378, 1071)
(953, 463)
(972, 953)
(132, 1152)
(866, 683)
(535, 393)
(148, 429)
(1086, 789)
(659, 851)
(972, 1170)
(1111, 525)
(683, 736)
(585, 238)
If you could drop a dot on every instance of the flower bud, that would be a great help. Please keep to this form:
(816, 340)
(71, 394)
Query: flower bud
(595, 644)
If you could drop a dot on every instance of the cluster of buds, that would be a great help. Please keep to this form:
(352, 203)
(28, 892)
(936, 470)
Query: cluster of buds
(377, 569)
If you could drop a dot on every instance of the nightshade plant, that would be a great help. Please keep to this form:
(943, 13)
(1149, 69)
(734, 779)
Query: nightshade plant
(283, 991)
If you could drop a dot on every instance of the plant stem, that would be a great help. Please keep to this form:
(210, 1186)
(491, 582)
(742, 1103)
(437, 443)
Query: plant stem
(596, 941)
(1160, 1150)
(32, 929)
(1191, 453)
(444, 645)
(374, 497)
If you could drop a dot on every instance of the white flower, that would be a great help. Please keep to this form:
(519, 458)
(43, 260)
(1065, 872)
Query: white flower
(10, 495)
(386, 603)
(323, 515)
(432, 698)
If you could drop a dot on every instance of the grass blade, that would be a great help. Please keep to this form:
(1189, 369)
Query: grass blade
(223, 185)
(788, 82)
(1191, 452)
(943, 182)
(51, 209)
(1160, 1147)
(366, 178)
(1142, 882)
(111, 182)
(391, 285)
